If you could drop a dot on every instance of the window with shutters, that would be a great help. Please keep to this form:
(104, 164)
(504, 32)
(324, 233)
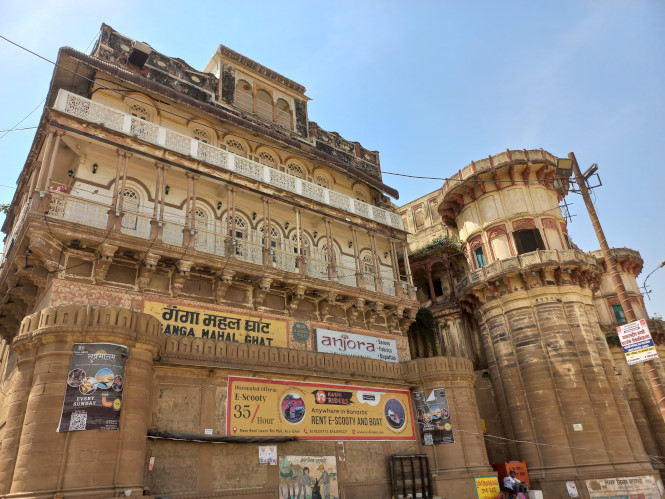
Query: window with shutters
(480, 257)
(202, 135)
(244, 97)
(295, 170)
(130, 205)
(264, 105)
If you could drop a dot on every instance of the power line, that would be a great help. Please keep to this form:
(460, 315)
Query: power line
(650, 456)
(227, 132)
(17, 124)
(17, 129)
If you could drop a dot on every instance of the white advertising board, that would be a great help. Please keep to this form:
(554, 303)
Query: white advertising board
(642, 487)
(637, 343)
(357, 345)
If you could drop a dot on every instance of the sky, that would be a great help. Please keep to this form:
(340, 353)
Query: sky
(431, 85)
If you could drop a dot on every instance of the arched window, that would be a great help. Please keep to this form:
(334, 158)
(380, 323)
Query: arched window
(130, 205)
(295, 170)
(244, 98)
(304, 247)
(283, 113)
(236, 147)
(204, 240)
(360, 195)
(367, 268)
(139, 111)
(264, 105)
(202, 135)
(322, 181)
(265, 158)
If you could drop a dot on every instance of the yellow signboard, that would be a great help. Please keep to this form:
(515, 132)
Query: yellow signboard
(216, 325)
(487, 487)
(317, 411)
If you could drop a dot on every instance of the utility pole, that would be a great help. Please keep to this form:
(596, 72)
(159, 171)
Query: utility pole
(611, 263)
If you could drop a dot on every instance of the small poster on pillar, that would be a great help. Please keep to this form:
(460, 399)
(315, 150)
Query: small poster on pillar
(434, 417)
(95, 382)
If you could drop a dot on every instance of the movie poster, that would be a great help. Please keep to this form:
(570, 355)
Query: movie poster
(434, 418)
(308, 476)
(93, 397)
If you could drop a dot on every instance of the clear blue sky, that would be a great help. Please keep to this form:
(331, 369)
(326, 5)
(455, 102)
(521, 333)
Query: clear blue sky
(431, 85)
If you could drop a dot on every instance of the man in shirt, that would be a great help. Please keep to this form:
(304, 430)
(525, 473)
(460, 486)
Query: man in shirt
(511, 482)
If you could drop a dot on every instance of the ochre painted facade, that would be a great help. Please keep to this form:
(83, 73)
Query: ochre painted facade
(152, 188)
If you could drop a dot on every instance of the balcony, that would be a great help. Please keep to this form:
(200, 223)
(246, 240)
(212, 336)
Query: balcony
(521, 263)
(497, 161)
(210, 238)
(93, 112)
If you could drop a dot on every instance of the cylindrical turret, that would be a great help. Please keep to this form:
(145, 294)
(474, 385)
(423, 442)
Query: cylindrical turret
(531, 291)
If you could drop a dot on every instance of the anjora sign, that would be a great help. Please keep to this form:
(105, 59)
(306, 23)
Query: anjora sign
(357, 345)
(216, 325)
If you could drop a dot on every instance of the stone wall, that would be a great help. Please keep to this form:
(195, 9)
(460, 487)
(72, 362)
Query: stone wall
(180, 384)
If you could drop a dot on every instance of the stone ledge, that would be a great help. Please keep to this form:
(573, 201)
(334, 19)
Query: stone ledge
(86, 320)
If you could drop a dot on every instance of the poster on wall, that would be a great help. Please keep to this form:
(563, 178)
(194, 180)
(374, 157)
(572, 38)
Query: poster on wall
(95, 382)
(268, 454)
(637, 343)
(642, 487)
(434, 417)
(216, 325)
(317, 411)
(308, 476)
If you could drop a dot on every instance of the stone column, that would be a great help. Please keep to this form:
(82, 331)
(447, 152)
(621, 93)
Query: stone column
(83, 463)
(453, 466)
(45, 161)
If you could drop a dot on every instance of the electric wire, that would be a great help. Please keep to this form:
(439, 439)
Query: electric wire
(519, 441)
(26, 117)
(18, 129)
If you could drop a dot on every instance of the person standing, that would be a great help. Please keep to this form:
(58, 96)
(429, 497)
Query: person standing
(325, 480)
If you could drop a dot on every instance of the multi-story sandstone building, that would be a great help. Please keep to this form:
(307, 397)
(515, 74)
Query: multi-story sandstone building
(536, 316)
(246, 262)
(205, 294)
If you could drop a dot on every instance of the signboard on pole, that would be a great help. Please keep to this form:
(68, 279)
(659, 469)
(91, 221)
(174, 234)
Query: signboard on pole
(93, 396)
(637, 343)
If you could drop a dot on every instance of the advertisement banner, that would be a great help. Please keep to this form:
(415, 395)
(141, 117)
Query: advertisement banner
(487, 487)
(93, 396)
(434, 417)
(313, 476)
(316, 411)
(357, 345)
(642, 487)
(637, 342)
(216, 325)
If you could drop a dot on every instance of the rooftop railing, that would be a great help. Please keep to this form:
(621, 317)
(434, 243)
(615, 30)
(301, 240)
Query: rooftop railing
(93, 112)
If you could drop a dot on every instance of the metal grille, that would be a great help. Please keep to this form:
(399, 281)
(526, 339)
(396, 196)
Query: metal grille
(410, 476)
